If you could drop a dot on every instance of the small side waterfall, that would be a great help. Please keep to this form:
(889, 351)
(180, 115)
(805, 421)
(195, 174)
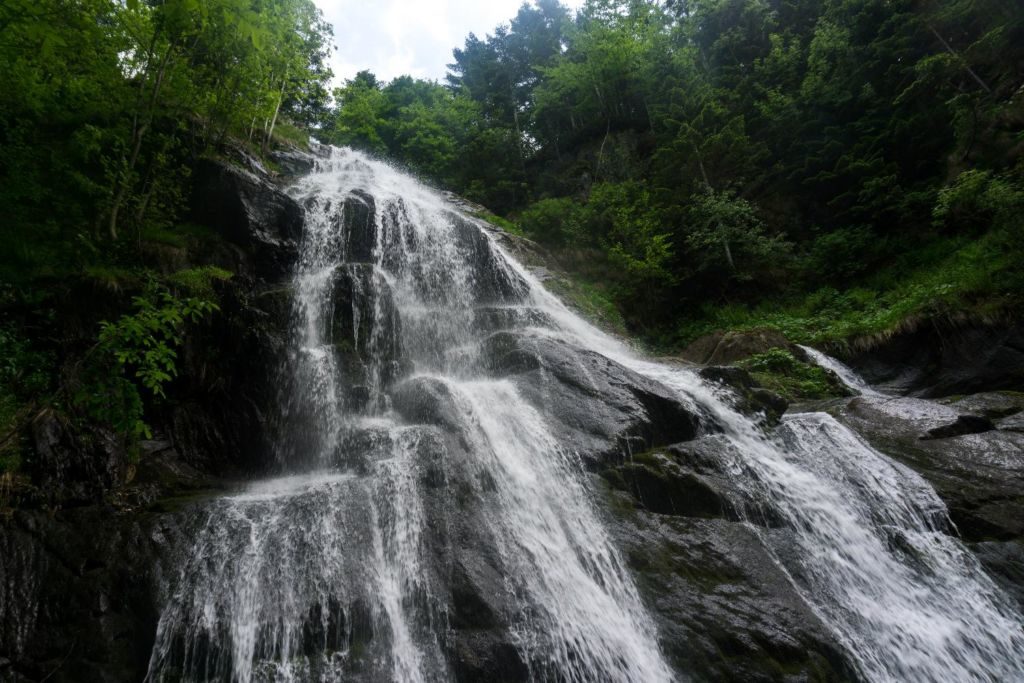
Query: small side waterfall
(845, 373)
(343, 569)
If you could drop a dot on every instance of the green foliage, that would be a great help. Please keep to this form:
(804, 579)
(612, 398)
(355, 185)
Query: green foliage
(137, 351)
(503, 223)
(779, 371)
(108, 103)
(980, 277)
(746, 153)
(553, 221)
(198, 282)
(979, 200)
(726, 233)
(631, 229)
(592, 300)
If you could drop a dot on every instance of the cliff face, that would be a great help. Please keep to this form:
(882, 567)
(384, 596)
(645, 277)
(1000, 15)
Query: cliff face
(83, 555)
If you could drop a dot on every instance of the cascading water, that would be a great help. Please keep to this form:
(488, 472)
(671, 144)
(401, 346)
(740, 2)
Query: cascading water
(845, 373)
(278, 573)
(340, 571)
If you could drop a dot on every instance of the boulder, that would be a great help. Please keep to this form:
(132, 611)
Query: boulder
(964, 424)
(425, 400)
(935, 360)
(293, 162)
(602, 410)
(725, 348)
(250, 211)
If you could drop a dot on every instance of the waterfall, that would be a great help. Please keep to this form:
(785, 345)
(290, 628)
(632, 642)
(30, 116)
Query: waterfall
(342, 568)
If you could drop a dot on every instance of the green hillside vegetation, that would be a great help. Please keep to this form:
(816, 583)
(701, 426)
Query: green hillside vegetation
(835, 169)
(831, 168)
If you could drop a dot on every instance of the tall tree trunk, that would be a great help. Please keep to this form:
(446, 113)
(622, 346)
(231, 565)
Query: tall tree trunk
(721, 229)
(273, 121)
(123, 184)
(600, 152)
(950, 50)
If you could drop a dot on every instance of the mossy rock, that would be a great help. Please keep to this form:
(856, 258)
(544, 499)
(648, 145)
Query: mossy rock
(779, 371)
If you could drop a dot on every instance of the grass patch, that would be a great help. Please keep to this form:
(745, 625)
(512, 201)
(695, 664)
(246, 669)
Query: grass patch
(291, 134)
(199, 281)
(503, 223)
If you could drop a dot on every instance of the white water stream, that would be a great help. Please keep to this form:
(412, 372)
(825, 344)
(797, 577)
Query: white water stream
(278, 571)
(844, 372)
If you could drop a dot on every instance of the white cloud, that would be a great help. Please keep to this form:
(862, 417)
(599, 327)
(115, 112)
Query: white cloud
(396, 37)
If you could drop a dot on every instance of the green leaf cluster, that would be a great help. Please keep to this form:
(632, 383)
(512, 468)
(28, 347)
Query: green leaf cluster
(137, 352)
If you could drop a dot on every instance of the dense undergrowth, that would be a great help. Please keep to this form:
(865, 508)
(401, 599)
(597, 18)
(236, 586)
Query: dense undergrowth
(780, 371)
(956, 279)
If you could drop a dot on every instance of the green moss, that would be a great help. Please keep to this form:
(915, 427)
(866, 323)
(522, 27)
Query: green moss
(593, 301)
(780, 371)
(503, 223)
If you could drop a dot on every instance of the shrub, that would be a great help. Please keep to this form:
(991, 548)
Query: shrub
(137, 349)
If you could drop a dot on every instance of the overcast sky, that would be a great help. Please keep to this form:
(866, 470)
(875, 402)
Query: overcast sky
(415, 37)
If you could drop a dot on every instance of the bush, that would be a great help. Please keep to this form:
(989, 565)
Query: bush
(137, 349)
(552, 221)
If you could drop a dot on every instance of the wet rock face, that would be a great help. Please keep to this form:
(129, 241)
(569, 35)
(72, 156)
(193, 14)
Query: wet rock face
(292, 162)
(978, 473)
(492, 283)
(77, 595)
(749, 398)
(980, 476)
(724, 608)
(75, 466)
(228, 392)
(249, 211)
(357, 222)
(933, 362)
(366, 329)
(604, 410)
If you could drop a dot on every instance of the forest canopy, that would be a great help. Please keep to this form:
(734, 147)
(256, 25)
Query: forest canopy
(823, 166)
(827, 168)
